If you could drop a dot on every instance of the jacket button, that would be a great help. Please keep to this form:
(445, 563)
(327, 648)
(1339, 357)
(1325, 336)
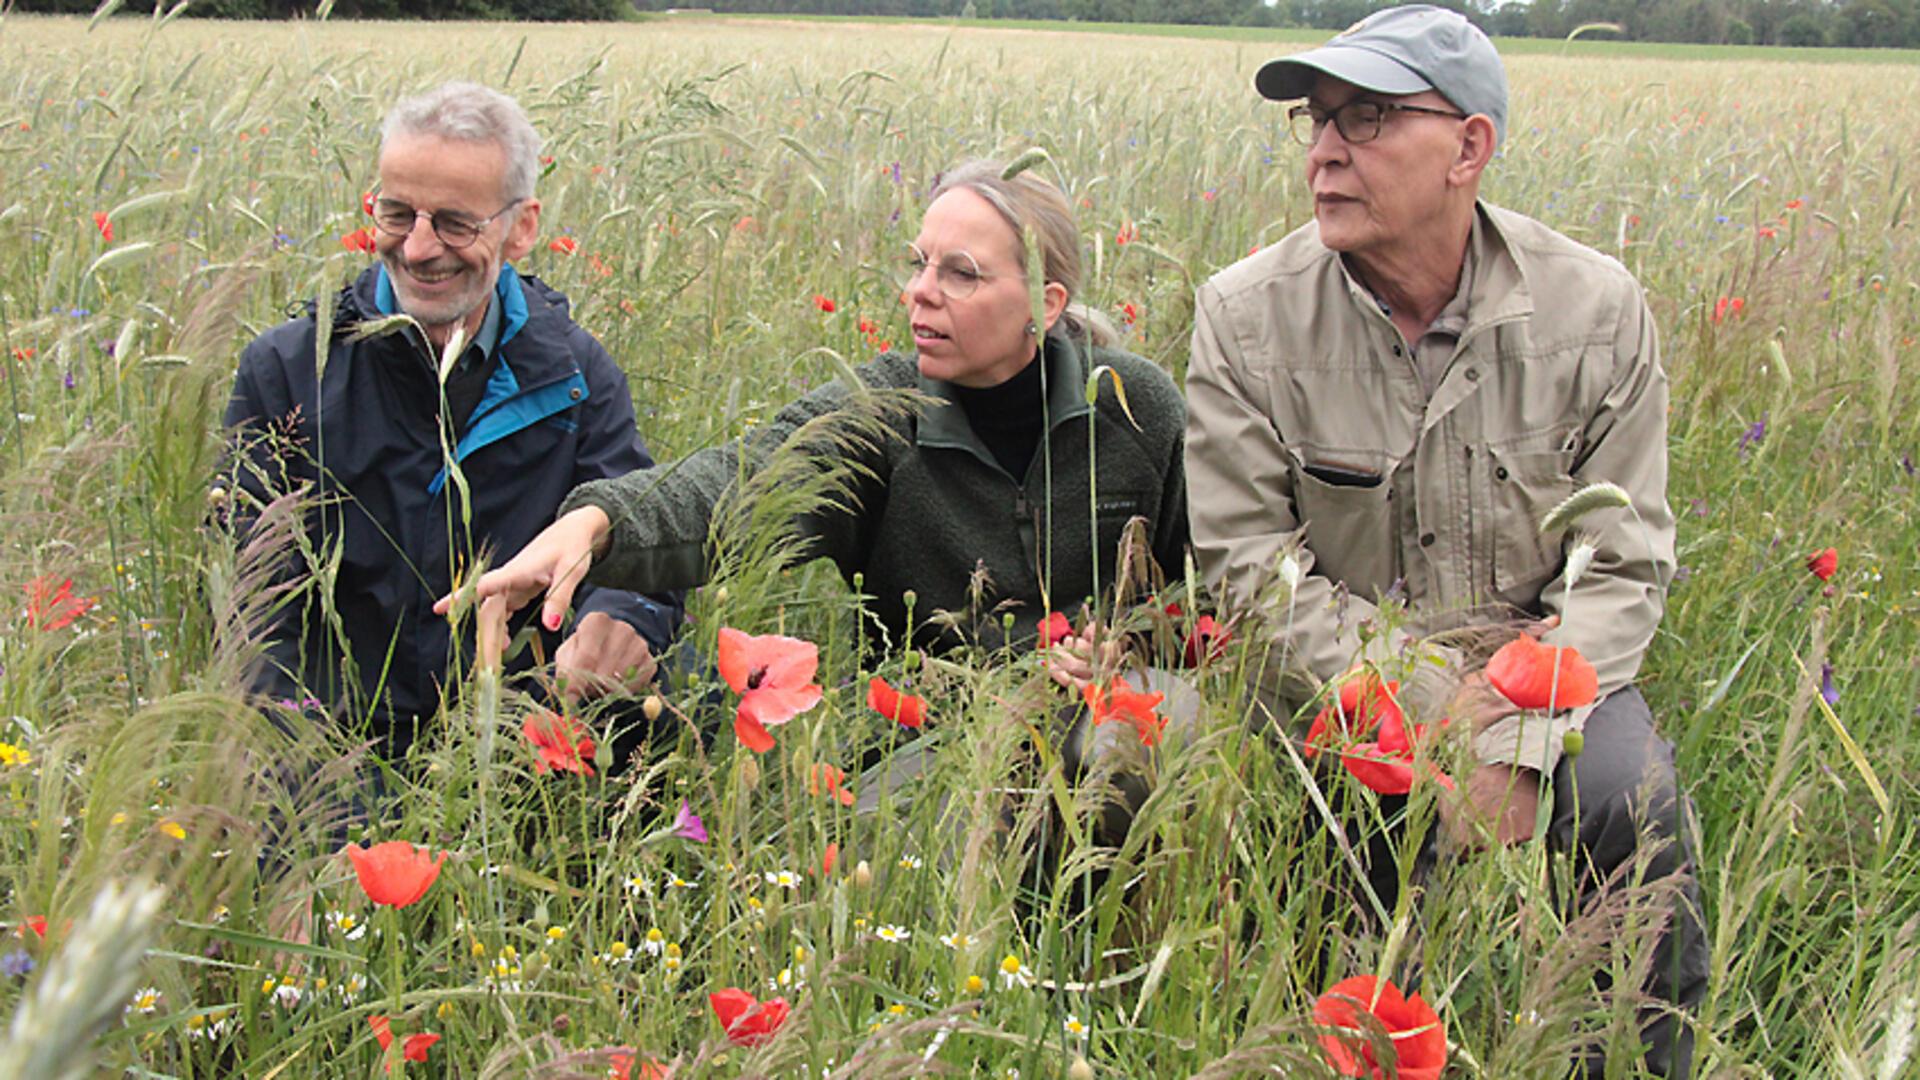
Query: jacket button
(1426, 539)
(1473, 374)
(1396, 350)
(574, 393)
(1500, 473)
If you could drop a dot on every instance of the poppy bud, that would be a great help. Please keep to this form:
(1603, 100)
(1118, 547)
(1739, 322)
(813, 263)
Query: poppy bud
(749, 773)
(862, 875)
(1572, 743)
(651, 707)
(1079, 1070)
(911, 658)
(720, 595)
(908, 598)
(561, 1023)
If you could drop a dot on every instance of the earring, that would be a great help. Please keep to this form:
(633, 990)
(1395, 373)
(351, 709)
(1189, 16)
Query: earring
(1032, 330)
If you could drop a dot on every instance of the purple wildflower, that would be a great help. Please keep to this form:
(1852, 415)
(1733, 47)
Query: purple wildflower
(1828, 692)
(688, 826)
(17, 964)
(1755, 434)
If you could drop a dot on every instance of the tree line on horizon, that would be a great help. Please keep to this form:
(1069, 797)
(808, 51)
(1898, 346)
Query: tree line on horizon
(1843, 23)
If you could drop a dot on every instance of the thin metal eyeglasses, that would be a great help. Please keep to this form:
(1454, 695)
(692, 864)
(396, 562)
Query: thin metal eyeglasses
(958, 274)
(455, 229)
(1357, 121)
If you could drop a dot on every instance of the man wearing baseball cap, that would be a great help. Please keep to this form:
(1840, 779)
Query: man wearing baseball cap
(1387, 403)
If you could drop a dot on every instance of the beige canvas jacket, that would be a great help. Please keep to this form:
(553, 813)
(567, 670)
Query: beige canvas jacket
(1308, 431)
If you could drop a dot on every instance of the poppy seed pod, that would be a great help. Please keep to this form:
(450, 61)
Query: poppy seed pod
(1572, 743)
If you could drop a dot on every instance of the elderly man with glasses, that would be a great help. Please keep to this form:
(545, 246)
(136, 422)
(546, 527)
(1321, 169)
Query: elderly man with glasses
(491, 377)
(1383, 407)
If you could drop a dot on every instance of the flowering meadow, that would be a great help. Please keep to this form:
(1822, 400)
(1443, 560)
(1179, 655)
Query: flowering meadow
(723, 199)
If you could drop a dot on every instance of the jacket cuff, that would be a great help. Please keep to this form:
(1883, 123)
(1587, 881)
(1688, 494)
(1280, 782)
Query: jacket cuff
(655, 621)
(1531, 740)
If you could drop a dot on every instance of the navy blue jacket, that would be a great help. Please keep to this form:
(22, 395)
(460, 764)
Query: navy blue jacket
(555, 413)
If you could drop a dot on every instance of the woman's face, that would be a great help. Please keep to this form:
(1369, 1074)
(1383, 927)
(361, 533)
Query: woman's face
(980, 340)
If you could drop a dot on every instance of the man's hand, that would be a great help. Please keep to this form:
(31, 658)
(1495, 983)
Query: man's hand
(556, 562)
(1504, 798)
(602, 655)
(1073, 661)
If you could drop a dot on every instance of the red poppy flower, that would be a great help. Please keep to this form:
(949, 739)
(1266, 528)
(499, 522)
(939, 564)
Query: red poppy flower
(561, 743)
(1823, 563)
(366, 203)
(51, 607)
(1363, 704)
(1125, 235)
(620, 1067)
(1054, 629)
(824, 304)
(1123, 702)
(747, 1020)
(773, 676)
(907, 710)
(1208, 642)
(1767, 232)
(105, 226)
(1419, 1042)
(35, 923)
(867, 326)
(831, 856)
(1523, 670)
(413, 1048)
(1386, 764)
(394, 873)
(1795, 204)
(564, 245)
(1727, 307)
(1130, 313)
(24, 353)
(830, 779)
(358, 240)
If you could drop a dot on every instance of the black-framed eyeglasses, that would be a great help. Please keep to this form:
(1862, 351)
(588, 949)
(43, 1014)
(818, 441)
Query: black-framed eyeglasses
(958, 273)
(455, 229)
(1357, 121)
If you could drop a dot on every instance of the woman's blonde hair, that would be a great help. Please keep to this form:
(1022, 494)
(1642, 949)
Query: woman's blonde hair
(1038, 210)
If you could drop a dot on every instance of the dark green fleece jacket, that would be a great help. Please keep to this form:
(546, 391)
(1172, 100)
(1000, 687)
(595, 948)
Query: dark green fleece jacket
(936, 506)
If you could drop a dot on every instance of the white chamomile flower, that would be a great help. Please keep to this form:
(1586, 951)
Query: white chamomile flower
(675, 881)
(957, 940)
(637, 886)
(353, 987)
(288, 994)
(909, 862)
(346, 924)
(617, 953)
(655, 942)
(1014, 973)
(784, 879)
(145, 1001)
(893, 933)
(1074, 1027)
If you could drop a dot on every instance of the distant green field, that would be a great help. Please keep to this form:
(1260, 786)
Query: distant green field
(1591, 47)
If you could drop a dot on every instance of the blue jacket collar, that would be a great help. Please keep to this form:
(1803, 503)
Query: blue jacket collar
(506, 292)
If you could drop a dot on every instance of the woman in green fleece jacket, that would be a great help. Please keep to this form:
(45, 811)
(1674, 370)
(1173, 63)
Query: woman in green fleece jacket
(992, 476)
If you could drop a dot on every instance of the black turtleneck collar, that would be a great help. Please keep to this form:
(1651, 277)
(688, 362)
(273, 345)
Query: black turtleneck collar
(1008, 417)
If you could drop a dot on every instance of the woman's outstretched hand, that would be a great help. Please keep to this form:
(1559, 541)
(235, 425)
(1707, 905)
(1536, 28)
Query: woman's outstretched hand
(554, 562)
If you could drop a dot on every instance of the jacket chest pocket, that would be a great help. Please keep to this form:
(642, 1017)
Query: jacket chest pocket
(1350, 525)
(1112, 510)
(1522, 481)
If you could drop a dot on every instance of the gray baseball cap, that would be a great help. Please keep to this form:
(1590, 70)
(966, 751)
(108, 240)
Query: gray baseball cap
(1402, 50)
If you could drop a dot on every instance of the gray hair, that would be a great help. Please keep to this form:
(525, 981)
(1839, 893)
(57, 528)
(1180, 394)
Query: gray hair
(1035, 209)
(473, 113)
